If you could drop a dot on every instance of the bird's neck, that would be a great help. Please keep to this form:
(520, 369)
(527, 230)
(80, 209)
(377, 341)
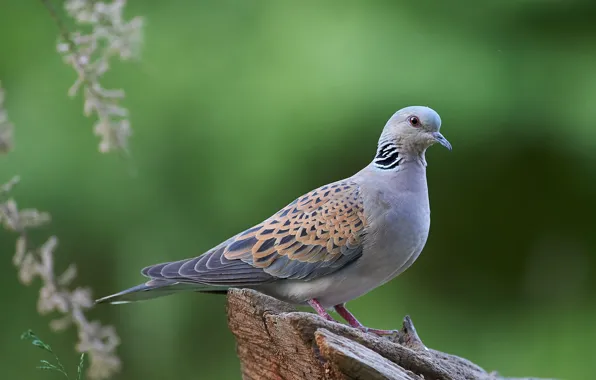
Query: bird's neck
(390, 156)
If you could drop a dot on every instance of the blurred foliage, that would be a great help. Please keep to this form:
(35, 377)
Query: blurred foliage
(56, 366)
(240, 106)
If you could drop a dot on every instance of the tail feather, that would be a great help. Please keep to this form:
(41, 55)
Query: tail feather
(153, 289)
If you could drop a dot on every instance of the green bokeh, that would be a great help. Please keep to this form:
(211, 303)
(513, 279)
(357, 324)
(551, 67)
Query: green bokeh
(238, 107)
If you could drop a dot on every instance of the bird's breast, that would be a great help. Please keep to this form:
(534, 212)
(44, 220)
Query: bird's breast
(398, 216)
(397, 239)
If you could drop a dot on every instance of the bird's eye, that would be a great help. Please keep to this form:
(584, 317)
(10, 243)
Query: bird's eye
(414, 121)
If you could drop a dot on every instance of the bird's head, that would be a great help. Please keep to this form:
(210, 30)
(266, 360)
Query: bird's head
(414, 129)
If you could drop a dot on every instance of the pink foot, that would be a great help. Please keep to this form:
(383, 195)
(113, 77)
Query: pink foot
(352, 321)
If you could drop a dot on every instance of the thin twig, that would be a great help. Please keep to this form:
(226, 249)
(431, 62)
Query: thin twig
(90, 54)
(65, 34)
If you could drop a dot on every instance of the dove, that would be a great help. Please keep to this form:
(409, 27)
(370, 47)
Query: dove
(331, 245)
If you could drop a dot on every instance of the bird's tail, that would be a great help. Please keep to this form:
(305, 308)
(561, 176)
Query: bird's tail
(156, 288)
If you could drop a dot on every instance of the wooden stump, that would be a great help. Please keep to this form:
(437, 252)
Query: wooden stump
(275, 342)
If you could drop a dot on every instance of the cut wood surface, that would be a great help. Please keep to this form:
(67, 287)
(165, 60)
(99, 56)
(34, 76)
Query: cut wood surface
(276, 342)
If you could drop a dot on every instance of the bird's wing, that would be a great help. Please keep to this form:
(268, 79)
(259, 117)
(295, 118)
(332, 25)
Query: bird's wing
(315, 235)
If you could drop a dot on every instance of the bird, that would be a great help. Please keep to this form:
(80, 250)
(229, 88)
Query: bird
(331, 245)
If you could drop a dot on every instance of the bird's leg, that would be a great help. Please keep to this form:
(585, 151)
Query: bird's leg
(351, 319)
(315, 304)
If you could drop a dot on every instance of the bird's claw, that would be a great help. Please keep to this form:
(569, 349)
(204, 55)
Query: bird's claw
(406, 336)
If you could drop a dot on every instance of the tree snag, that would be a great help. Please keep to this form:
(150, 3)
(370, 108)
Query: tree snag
(276, 342)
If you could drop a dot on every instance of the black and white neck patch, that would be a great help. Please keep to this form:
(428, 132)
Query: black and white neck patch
(387, 156)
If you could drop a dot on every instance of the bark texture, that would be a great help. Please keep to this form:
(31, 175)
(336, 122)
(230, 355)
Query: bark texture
(275, 342)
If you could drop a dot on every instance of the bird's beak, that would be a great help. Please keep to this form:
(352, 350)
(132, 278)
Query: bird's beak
(442, 140)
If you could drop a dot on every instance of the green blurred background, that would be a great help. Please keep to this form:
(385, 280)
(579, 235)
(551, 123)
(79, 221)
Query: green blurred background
(238, 107)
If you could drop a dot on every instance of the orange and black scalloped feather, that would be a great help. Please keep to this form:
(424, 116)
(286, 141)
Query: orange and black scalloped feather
(315, 235)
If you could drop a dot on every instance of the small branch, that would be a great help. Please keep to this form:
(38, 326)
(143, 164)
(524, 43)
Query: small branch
(57, 294)
(274, 341)
(90, 55)
(6, 127)
(64, 33)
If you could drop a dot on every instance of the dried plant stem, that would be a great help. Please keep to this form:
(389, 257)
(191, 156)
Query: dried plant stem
(90, 54)
(98, 341)
(6, 127)
(65, 35)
